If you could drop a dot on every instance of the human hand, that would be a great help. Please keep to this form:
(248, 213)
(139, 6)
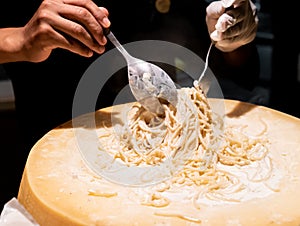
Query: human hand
(231, 23)
(74, 25)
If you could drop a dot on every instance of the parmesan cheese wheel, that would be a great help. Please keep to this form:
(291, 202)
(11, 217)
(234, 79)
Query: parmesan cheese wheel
(59, 188)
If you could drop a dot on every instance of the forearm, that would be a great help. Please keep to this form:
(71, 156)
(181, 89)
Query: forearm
(11, 45)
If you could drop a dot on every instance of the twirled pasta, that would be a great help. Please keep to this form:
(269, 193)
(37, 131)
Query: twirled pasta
(189, 127)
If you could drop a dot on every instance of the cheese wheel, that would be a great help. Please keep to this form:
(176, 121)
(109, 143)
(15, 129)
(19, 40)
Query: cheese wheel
(59, 188)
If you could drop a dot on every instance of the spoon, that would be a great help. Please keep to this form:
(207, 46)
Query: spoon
(149, 84)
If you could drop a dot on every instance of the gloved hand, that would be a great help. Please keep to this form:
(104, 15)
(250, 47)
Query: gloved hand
(231, 23)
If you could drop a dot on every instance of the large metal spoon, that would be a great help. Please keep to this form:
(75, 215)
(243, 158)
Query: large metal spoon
(149, 84)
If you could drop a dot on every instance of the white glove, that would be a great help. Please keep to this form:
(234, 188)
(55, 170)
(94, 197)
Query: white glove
(231, 23)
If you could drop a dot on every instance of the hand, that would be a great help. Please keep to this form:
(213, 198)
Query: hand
(231, 23)
(74, 25)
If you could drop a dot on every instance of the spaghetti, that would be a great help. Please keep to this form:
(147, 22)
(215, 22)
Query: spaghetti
(191, 128)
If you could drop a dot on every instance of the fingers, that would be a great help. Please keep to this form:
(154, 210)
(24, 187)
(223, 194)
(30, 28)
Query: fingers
(87, 19)
(76, 39)
(39, 41)
(228, 44)
(75, 25)
(235, 25)
(224, 22)
(213, 13)
(99, 13)
(73, 45)
(78, 23)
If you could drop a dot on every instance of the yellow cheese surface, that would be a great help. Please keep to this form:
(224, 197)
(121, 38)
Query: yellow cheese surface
(58, 188)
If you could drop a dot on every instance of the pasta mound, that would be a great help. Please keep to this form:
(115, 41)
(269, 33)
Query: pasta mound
(209, 148)
(149, 139)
